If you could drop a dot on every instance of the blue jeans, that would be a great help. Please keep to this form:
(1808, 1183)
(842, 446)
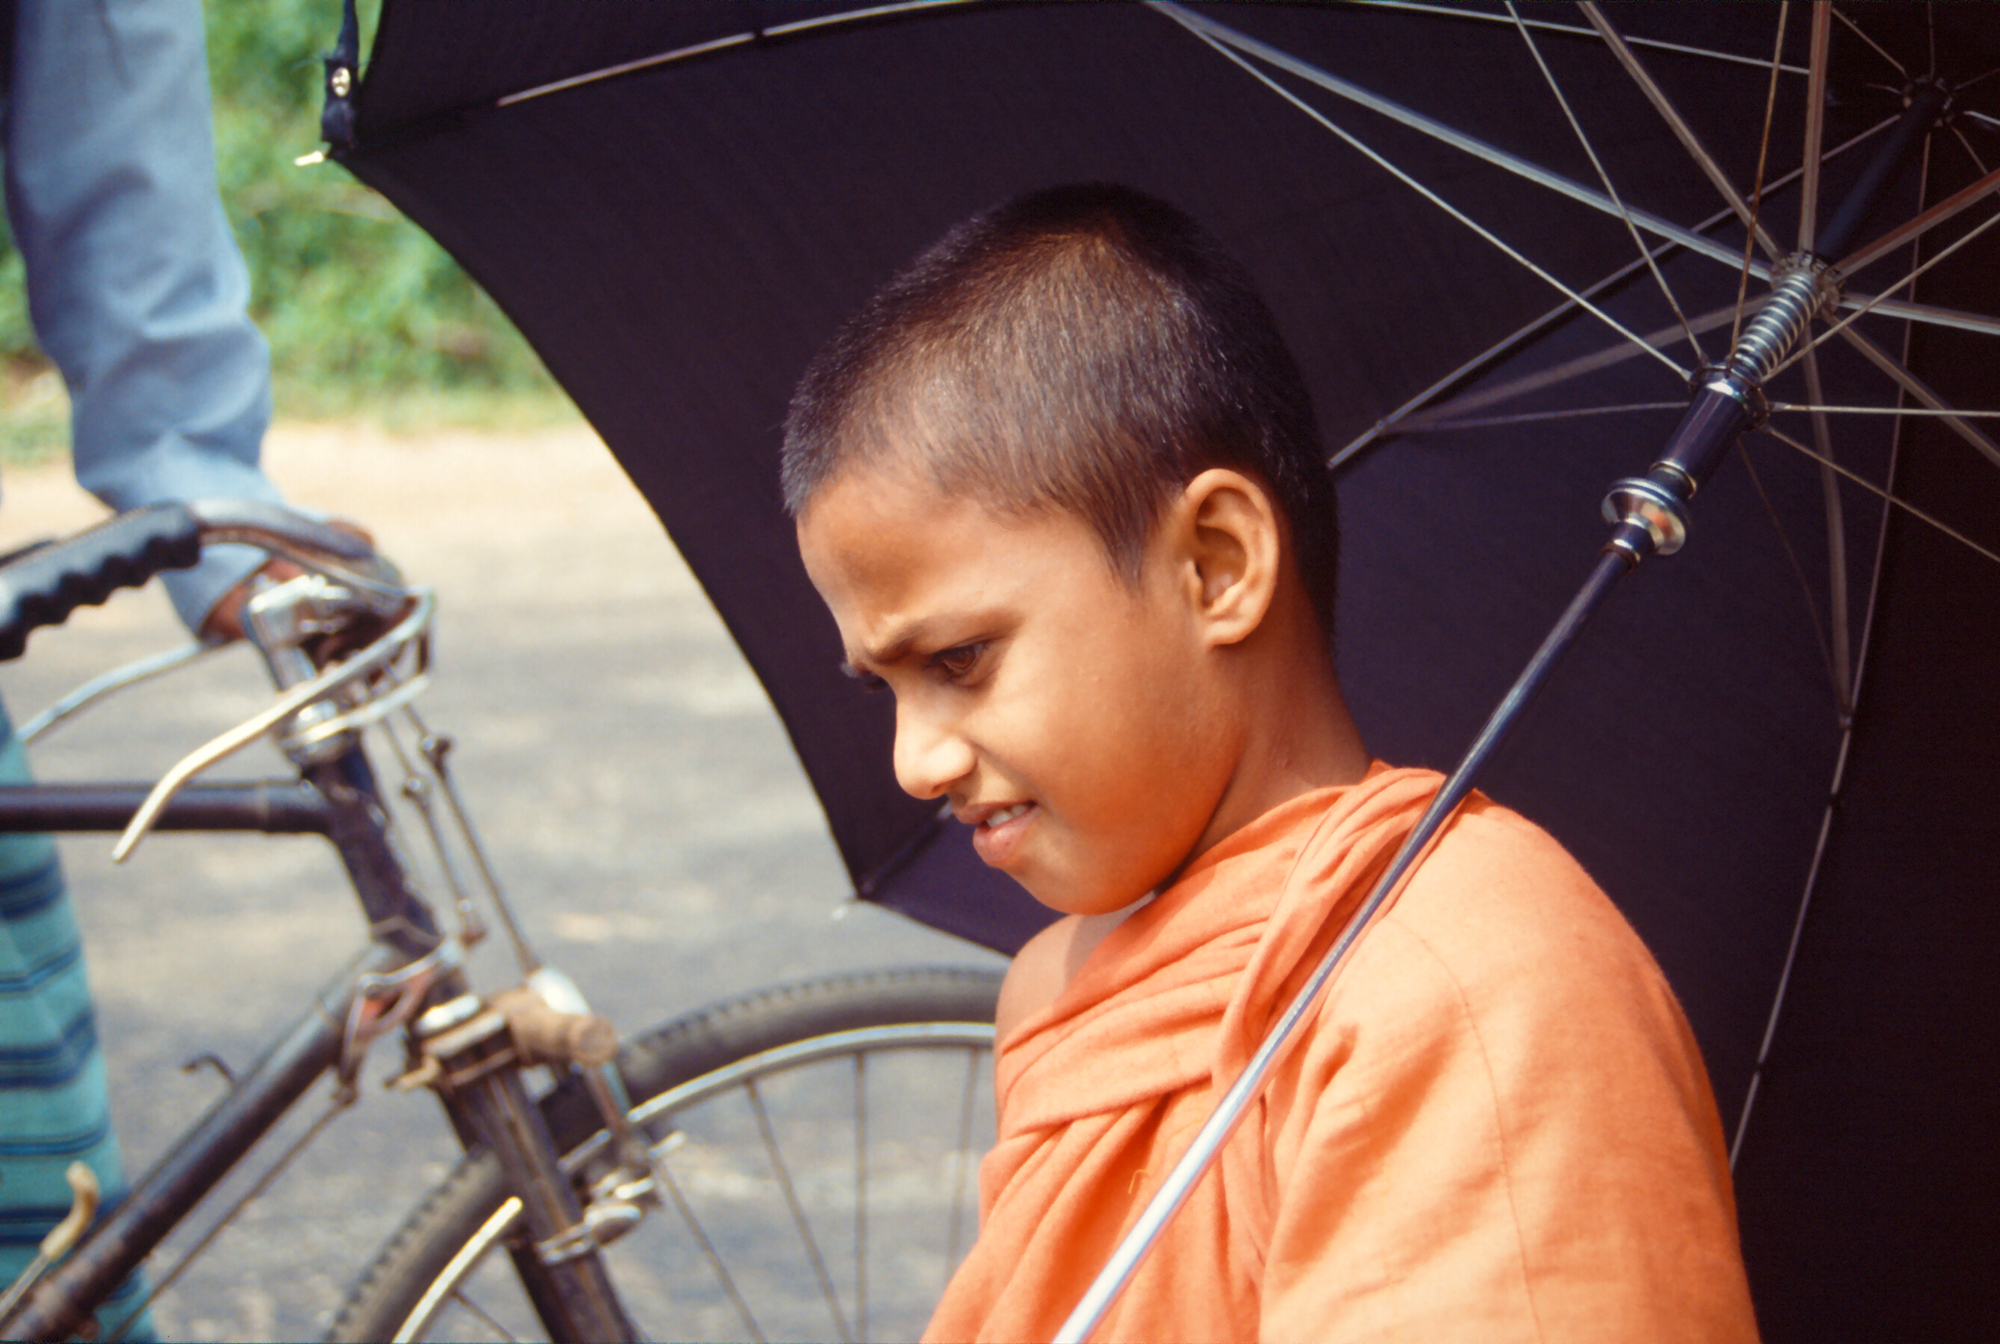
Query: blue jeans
(135, 284)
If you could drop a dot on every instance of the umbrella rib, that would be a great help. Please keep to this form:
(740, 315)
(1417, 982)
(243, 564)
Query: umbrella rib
(1502, 347)
(1921, 224)
(1199, 27)
(1834, 670)
(1645, 254)
(1917, 388)
(1876, 302)
(1926, 313)
(724, 44)
(1397, 418)
(1846, 741)
(1881, 493)
(1836, 545)
(1791, 954)
(1873, 43)
(1680, 48)
(1433, 425)
(1226, 39)
(1822, 32)
(1682, 131)
(1899, 411)
(1564, 372)
(1757, 196)
(1977, 162)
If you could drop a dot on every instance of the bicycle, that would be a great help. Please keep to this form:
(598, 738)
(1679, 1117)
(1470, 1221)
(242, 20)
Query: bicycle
(611, 1194)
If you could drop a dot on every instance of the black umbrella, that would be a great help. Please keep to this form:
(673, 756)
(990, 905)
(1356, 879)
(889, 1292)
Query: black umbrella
(1772, 749)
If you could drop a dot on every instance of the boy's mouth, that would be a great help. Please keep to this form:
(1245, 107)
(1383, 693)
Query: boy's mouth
(996, 835)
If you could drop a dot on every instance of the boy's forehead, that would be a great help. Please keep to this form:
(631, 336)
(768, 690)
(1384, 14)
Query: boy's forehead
(892, 554)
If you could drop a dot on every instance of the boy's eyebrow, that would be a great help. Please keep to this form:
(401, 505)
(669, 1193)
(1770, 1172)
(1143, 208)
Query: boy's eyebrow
(856, 664)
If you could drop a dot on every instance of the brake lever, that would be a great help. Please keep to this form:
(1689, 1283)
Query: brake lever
(370, 660)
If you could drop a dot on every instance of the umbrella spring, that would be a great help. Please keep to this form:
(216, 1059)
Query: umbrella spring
(1797, 296)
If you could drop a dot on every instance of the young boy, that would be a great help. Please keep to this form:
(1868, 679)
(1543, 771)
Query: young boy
(1061, 485)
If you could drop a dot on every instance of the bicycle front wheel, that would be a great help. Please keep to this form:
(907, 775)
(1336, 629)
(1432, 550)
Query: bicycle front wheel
(820, 1143)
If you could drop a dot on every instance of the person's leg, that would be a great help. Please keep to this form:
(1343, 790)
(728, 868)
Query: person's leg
(135, 284)
(53, 1107)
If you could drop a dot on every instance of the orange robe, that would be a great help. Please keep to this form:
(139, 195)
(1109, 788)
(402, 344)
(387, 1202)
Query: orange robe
(1496, 1127)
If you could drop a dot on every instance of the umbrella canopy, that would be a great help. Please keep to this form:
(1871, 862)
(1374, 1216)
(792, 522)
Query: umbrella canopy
(1773, 749)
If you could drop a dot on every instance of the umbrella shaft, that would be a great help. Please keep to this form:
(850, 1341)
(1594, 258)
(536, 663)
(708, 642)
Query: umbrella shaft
(1928, 98)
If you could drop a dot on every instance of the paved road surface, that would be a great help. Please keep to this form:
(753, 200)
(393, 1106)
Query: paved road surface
(641, 800)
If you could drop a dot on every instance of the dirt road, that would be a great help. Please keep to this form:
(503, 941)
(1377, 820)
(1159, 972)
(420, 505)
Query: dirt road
(641, 800)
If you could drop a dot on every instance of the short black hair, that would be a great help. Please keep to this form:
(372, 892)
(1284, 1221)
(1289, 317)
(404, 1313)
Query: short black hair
(1085, 346)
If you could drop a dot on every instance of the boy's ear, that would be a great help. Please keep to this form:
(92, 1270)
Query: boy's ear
(1231, 530)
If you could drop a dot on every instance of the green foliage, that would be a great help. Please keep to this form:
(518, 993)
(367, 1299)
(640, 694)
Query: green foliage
(364, 313)
(355, 300)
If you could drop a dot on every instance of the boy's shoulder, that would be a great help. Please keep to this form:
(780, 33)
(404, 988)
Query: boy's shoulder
(1047, 962)
(1499, 892)
(1503, 934)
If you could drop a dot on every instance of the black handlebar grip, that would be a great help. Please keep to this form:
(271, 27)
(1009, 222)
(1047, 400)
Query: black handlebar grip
(43, 586)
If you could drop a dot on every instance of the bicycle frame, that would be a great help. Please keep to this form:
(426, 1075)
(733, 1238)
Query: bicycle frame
(337, 797)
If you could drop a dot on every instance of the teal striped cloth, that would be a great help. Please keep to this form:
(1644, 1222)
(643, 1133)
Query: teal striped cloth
(53, 1108)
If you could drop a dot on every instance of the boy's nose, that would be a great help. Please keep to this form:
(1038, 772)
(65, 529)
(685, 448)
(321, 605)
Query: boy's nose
(930, 757)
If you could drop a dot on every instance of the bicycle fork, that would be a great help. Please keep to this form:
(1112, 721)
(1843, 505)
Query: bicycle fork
(471, 1052)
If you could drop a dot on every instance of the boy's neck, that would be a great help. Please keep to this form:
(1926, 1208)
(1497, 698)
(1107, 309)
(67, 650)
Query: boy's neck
(1296, 734)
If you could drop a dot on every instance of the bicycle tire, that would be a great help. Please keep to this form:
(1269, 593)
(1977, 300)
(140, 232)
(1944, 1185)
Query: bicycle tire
(698, 1077)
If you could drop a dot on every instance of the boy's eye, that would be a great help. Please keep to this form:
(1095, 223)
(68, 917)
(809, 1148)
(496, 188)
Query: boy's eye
(869, 681)
(958, 663)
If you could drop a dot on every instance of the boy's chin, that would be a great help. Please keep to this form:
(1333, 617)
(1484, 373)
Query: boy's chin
(1072, 899)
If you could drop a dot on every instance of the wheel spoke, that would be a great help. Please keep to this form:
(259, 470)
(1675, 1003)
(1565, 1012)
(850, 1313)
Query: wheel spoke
(797, 1210)
(1822, 31)
(507, 1336)
(1610, 190)
(727, 1095)
(708, 1251)
(861, 1192)
(965, 1111)
(1682, 131)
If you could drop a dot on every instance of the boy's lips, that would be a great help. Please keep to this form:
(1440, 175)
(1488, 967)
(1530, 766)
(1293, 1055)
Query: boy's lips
(997, 829)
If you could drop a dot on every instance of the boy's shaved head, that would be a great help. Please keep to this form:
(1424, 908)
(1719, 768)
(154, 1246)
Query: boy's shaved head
(1087, 348)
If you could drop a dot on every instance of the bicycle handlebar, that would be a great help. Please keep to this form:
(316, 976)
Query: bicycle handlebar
(44, 585)
(275, 527)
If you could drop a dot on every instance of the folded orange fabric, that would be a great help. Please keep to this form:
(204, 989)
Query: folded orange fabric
(1497, 1126)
